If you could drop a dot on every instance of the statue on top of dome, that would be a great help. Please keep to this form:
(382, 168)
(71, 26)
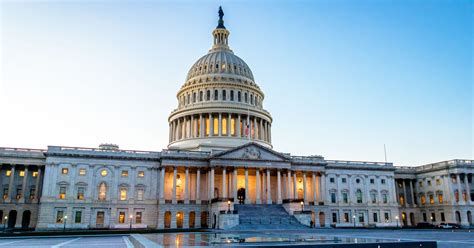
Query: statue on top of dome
(221, 21)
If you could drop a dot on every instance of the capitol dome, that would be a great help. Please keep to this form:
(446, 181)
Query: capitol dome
(219, 106)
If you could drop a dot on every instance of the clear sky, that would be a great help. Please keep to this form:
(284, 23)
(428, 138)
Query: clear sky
(341, 78)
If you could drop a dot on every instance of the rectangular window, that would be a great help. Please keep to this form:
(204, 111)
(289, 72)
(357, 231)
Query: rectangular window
(124, 173)
(78, 217)
(424, 217)
(123, 194)
(382, 181)
(35, 174)
(224, 126)
(138, 217)
(333, 197)
(64, 171)
(80, 193)
(19, 193)
(346, 217)
(373, 197)
(22, 173)
(331, 180)
(141, 174)
(343, 180)
(232, 126)
(216, 126)
(442, 217)
(334, 217)
(372, 181)
(32, 192)
(82, 172)
(208, 126)
(387, 217)
(361, 217)
(100, 218)
(433, 217)
(140, 193)
(59, 216)
(62, 192)
(5, 193)
(385, 198)
(438, 181)
(431, 199)
(344, 198)
(8, 173)
(121, 219)
(376, 218)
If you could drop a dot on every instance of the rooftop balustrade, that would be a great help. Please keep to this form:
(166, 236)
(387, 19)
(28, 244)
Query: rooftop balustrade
(99, 151)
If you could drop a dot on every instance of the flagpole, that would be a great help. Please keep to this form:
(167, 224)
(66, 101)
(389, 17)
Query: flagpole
(385, 152)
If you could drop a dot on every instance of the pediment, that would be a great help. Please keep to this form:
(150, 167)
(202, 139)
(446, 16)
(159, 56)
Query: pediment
(251, 151)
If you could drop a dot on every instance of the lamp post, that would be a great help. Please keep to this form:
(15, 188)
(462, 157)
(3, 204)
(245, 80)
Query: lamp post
(396, 217)
(228, 206)
(432, 222)
(131, 219)
(5, 224)
(65, 221)
(302, 206)
(354, 220)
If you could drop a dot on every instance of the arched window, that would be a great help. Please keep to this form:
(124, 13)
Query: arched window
(200, 96)
(251, 99)
(102, 191)
(224, 95)
(216, 95)
(231, 95)
(245, 97)
(208, 95)
(239, 96)
(359, 196)
(194, 97)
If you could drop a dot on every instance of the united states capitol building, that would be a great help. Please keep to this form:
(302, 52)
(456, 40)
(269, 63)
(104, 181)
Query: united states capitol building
(220, 171)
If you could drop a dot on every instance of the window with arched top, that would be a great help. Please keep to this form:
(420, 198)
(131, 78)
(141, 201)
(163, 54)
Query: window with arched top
(216, 95)
(245, 97)
(239, 96)
(251, 99)
(359, 196)
(194, 97)
(208, 95)
(102, 191)
(232, 95)
(224, 95)
(200, 96)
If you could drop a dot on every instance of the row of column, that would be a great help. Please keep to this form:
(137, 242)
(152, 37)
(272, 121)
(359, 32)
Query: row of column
(262, 181)
(218, 125)
(466, 189)
(17, 169)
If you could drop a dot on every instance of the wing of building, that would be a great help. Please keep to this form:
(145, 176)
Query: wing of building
(220, 171)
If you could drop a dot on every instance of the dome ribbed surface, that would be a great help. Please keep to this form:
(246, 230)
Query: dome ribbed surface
(226, 62)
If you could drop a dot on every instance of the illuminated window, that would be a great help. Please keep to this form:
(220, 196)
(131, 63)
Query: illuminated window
(140, 194)
(216, 126)
(402, 199)
(64, 171)
(423, 200)
(440, 198)
(102, 192)
(82, 172)
(141, 174)
(80, 193)
(123, 194)
(8, 173)
(32, 192)
(224, 126)
(438, 181)
(103, 173)
(19, 192)
(198, 124)
(35, 173)
(121, 219)
(124, 173)
(138, 217)
(5, 192)
(431, 199)
(62, 192)
(22, 173)
(232, 126)
(208, 126)
(456, 195)
(59, 216)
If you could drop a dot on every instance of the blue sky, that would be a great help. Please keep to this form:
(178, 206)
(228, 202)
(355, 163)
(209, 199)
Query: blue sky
(341, 78)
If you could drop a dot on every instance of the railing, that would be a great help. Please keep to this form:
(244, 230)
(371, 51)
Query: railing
(358, 163)
(11, 149)
(219, 103)
(84, 150)
(181, 153)
(311, 158)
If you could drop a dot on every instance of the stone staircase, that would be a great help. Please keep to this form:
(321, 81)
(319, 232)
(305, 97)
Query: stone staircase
(265, 217)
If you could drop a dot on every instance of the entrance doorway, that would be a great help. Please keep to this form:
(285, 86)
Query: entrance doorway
(241, 195)
(25, 220)
(100, 219)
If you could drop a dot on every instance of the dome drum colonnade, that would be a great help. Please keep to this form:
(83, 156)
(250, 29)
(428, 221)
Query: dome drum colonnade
(220, 105)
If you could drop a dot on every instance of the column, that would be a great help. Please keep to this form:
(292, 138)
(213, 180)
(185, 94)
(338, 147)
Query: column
(261, 133)
(458, 180)
(318, 189)
(212, 183)
(352, 197)
(201, 126)
(37, 185)
(269, 133)
(220, 124)
(257, 178)
(295, 190)
(304, 188)
(234, 182)
(192, 127)
(468, 188)
(229, 117)
(254, 128)
(162, 185)
(24, 185)
(178, 133)
(269, 189)
(278, 187)
(288, 189)
(314, 189)
(198, 186)
(238, 126)
(412, 193)
(224, 183)
(10, 184)
(404, 193)
(174, 185)
(247, 200)
(211, 125)
(186, 187)
(323, 187)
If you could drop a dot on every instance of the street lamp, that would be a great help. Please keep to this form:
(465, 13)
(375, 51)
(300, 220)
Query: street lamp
(65, 221)
(302, 206)
(131, 219)
(354, 220)
(432, 222)
(396, 217)
(5, 223)
(228, 206)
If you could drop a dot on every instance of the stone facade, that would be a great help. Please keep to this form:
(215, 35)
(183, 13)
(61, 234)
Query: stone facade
(220, 154)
